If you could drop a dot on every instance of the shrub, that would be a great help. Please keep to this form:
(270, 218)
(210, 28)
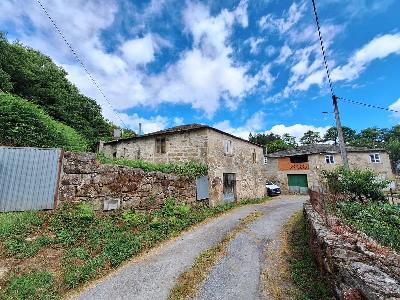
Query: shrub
(357, 184)
(191, 169)
(22, 123)
(381, 221)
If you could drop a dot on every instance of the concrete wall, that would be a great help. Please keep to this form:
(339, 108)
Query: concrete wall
(317, 163)
(250, 180)
(84, 179)
(189, 145)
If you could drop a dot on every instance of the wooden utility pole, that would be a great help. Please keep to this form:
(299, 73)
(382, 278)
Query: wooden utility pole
(342, 145)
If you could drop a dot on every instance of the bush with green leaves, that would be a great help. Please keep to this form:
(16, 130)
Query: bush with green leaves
(22, 123)
(356, 184)
(381, 221)
(189, 168)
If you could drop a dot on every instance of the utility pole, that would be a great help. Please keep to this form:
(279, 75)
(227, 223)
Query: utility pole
(342, 145)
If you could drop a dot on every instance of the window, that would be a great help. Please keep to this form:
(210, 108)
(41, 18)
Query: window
(160, 145)
(298, 159)
(375, 158)
(228, 149)
(329, 159)
(254, 156)
(265, 160)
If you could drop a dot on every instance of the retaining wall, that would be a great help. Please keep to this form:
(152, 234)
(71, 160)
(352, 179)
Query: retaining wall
(111, 186)
(356, 266)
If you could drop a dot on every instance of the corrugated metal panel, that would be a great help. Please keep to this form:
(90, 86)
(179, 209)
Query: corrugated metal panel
(202, 187)
(28, 178)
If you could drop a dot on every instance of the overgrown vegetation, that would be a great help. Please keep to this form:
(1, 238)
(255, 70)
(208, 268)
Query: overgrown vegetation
(355, 184)
(303, 270)
(22, 123)
(34, 77)
(190, 168)
(54, 252)
(381, 221)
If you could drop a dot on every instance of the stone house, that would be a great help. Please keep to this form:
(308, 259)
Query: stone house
(235, 166)
(298, 169)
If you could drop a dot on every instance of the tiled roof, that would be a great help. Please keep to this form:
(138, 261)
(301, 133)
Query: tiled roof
(319, 148)
(180, 129)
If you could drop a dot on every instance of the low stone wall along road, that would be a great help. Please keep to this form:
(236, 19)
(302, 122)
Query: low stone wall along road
(235, 276)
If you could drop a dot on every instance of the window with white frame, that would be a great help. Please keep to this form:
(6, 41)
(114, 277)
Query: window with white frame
(228, 148)
(329, 159)
(375, 158)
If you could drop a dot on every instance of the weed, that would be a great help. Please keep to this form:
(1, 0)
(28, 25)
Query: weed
(134, 219)
(33, 285)
(76, 273)
(18, 224)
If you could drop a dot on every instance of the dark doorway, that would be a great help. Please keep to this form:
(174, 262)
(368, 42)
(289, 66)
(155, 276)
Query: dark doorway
(229, 187)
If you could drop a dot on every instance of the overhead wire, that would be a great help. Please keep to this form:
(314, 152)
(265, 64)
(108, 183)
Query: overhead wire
(81, 63)
(368, 105)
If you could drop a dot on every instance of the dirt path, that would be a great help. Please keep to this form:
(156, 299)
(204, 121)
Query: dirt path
(236, 276)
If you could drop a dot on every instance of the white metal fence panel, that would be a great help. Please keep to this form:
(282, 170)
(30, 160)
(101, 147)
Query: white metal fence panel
(28, 178)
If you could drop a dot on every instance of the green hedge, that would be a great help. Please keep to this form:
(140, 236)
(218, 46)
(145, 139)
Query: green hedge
(23, 124)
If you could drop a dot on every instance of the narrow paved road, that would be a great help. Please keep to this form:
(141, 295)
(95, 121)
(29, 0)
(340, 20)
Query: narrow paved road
(236, 276)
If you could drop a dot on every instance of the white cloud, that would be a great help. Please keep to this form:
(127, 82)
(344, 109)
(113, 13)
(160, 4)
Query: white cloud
(139, 51)
(378, 48)
(178, 121)
(396, 106)
(296, 130)
(288, 20)
(284, 54)
(253, 124)
(254, 44)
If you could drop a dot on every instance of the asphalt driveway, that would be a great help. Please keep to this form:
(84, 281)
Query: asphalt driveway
(236, 276)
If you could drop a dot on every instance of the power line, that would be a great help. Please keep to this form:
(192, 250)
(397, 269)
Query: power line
(368, 105)
(323, 48)
(81, 63)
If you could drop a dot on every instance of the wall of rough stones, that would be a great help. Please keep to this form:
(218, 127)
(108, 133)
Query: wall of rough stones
(317, 163)
(83, 178)
(356, 266)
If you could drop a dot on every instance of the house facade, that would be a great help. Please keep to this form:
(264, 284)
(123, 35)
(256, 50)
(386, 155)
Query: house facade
(298, 169)
(235, 166)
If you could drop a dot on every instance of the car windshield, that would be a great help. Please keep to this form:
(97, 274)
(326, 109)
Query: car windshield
(269, 183)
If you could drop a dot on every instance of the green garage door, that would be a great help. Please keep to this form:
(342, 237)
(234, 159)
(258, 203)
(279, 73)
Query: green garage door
(298, 183)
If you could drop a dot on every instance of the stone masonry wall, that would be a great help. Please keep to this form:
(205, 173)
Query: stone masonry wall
(356, 267)
(317, 163)
(250, 180)
(83, 178)
(184, 146)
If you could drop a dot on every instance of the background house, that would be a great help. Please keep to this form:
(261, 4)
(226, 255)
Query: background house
(235, 166)
(297, 169)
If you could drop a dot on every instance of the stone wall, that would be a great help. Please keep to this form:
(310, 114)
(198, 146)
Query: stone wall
(317, 163)
(355, 266)
(83, 178)
(180, 146)
(250, 180)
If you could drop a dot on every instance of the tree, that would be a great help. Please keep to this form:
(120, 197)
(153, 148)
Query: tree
(370, 137)
(310, 137)
(289, 140)
(349, 135)
(35, 77)
(273, 142)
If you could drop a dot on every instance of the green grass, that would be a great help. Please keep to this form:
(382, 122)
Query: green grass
(35, 285)
(380, 221)
(189, 168)
(92, 242)
(302, 267)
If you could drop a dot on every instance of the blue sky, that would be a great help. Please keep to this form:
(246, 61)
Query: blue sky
(242, 66)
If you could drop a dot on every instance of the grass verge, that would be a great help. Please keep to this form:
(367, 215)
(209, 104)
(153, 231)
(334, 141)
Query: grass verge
(43, 255)
(303, 270)
(189, 281)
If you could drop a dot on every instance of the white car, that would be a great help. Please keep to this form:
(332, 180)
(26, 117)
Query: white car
(272, 188)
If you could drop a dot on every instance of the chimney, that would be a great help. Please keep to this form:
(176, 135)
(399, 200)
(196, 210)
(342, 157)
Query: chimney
(140, 129)
(116, 133)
